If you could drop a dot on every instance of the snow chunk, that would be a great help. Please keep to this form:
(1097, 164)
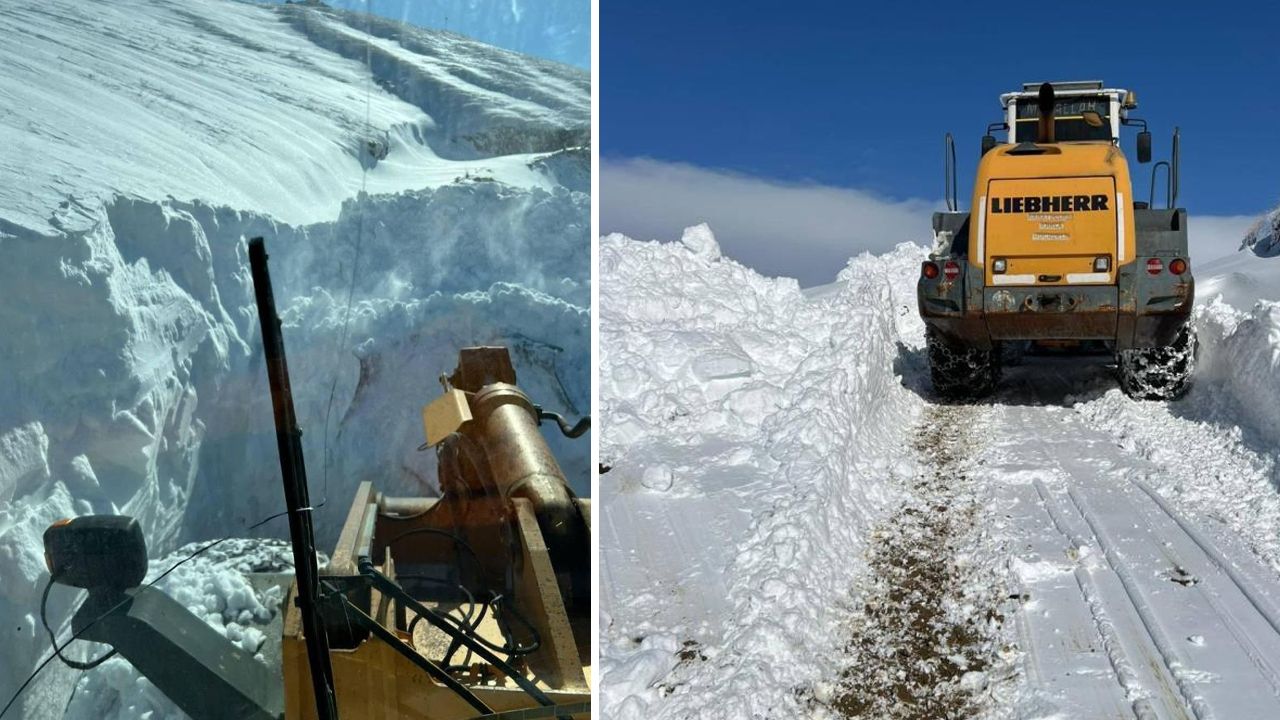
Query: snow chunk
(1036, 571)
(701, 241)
(24, 461)
(657, 477)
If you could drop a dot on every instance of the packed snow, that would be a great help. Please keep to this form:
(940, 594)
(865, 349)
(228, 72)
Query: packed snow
(418, 191)
(793, 525)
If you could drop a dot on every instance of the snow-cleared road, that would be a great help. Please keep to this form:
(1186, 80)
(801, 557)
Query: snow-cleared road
(1126, 607)
(796, 526)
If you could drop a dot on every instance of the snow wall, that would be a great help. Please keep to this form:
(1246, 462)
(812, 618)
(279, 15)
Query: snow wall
(1239, 325)
(136, 382)
(803, 403)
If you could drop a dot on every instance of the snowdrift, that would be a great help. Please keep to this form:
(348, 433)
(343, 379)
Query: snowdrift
(752, 429)
(433, 203)
(1238, 319)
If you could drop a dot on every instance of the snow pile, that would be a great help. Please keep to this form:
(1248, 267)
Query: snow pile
(751, 434)
(1238, 320)
(145, 143)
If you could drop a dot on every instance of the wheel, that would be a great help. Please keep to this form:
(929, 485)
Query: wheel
(1011, 352)
(1162, 373)
(959, 371)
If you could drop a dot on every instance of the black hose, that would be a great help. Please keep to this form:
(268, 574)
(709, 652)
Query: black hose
(44, 620)
(574, 431)
(448, 625)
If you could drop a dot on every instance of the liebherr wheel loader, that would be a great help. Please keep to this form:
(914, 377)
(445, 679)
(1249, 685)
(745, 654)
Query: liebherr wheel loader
(1057, 249)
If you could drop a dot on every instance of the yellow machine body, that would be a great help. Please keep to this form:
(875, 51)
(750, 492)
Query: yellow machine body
(1051, 215)
(506, 522)
(373, 682)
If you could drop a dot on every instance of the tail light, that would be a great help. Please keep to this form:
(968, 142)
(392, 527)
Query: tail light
(1102, 263)
(1177, 266)
(1154, 266)
(929, 270)
(951, 270)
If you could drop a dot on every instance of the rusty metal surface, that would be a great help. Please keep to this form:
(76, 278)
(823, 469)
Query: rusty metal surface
(522, 466)
(480, 366)
(1140, 310)
(506, 504)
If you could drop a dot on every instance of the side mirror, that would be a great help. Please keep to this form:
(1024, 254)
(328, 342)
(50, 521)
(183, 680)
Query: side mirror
(1144, 147)
(988, 143)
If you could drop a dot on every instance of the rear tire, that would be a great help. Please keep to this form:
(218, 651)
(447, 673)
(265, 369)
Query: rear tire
(1162, 373)
(960, 371)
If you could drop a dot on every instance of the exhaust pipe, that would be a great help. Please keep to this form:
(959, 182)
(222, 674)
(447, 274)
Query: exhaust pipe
(1046, 126)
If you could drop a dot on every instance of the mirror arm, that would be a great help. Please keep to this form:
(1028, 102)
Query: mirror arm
(1134, 121)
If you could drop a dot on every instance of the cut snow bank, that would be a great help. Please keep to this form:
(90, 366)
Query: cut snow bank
(751, 433)
(143, 143)
(1238, 320)
(134, 373)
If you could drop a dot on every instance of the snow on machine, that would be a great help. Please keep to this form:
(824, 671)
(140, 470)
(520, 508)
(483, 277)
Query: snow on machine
(1057, 249)
(474, 604)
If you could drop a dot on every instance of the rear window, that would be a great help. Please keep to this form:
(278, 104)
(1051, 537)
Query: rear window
(1069, 121)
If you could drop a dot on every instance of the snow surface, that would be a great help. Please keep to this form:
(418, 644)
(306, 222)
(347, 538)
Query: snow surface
(419, 193)
(772, 457)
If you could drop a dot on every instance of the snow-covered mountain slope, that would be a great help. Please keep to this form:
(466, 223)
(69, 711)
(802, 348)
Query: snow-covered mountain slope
(794, 526)
(141, 143)
(555, 29)
(259, 108)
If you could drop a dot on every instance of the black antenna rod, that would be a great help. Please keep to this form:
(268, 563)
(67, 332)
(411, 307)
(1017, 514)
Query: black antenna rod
(289, 442)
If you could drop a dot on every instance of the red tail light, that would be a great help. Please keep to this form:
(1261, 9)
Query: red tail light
(951, 270)
(1154, 266)
(1177, 266)
(929, 270)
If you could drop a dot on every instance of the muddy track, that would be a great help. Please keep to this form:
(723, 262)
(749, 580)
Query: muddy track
(926, 637)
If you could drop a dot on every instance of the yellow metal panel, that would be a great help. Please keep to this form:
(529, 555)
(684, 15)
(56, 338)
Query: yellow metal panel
(1050, 226)
(1011, 226)
(445, 415)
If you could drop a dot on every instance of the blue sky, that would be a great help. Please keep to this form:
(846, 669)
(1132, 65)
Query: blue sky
(855, 98)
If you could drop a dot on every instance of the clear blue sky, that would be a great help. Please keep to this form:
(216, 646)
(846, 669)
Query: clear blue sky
(859, 94)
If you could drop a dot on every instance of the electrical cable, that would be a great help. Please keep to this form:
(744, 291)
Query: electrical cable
(458, 541)
(510, 647)
(53, 639)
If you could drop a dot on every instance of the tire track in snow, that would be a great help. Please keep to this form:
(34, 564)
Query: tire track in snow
(924, 640)
(1129, 609)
